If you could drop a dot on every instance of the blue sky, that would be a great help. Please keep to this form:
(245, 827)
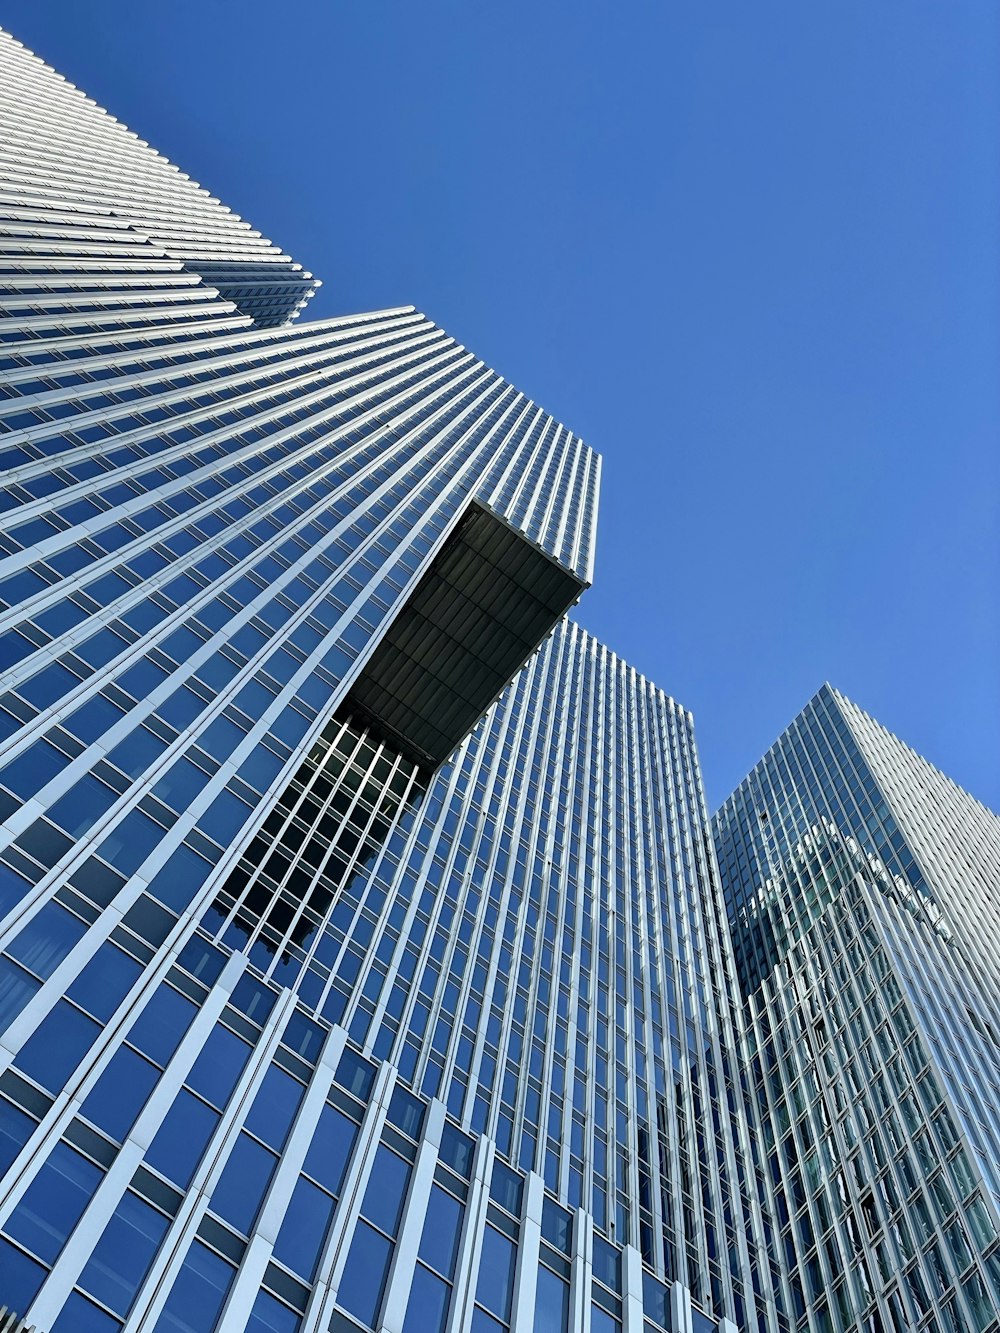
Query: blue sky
(749, 252)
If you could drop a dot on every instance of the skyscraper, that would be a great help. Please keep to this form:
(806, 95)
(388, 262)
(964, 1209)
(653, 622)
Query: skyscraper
(362, 962)
(862, 890)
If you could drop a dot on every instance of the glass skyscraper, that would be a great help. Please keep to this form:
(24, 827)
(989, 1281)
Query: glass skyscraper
(363, 962)
(863, 891)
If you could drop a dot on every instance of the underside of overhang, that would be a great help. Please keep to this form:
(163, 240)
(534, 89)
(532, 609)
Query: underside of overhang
(487, 601)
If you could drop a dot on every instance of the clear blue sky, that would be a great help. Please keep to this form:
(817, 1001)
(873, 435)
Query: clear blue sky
(748, 251)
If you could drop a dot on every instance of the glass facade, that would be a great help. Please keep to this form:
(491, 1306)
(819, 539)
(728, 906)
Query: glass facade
(365, 962)
(861, 885)
(361, 954)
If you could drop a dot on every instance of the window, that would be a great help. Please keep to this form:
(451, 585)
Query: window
(366, 1272)
(123, 1255)
(198, 1293)
(182, 1137)
(54, 1202)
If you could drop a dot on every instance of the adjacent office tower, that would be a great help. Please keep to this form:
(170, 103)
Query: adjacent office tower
(360, 949)
(863, 890)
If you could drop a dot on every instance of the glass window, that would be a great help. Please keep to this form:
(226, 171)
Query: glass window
(46, 939)
(304, 1228)
(120, 1093)
(53, 1202)
(244, 1179)
(79, 1315)
(551, 1303)
(22, 1277)
(105, 981)
(270, 1316)
(331, 1148)
(218, 1067)
(355, 1074)
(485, 1323)
(180, 878)
(442, 1231)
(122, 1257)
(181, 1138)
(15, 1130)
(363, 1284)
(557, 1225)
(495, 1288)
(386, 1190)
(57, 1046)
(273, 1110)
(602, 1322)
(12, 889)
(16, 989)
(165, 1017)
(427, 1305)
(198, 1293)
(505, 1188)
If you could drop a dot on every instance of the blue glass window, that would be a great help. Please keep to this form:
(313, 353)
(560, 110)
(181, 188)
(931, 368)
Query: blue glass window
(331, 1148)
(16, 1129)
(551, 1303)
(602, 1322)
(219, 1065)
(82, 805)
(270, 1316)
(427, 1305)
(79, 1315)
(16, 989)
(12, 889)
(442, 1231)
(57, 1046)
(122, 1257)
(198, 1293)
(30, 771)
(46, 939)
(363, 1284)
(22, 1277)
(304, 1228)
(245, 1177)
(356, 1075)
(495, 1288)
(386, 1190)
(53, 1202)
(274, 1107)
(485, 1323)
(105, 981)
(158, 1030)
(181, 1138)
(128, 845)
(180, 878)
(114, 1102)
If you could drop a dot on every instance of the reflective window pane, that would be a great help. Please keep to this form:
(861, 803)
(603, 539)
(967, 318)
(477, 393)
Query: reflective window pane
(181, 1138)
(198, 1293)
(442, 1231)
(303, 1228)
(551, 1303)
(122, 1257)
(331, 1148)
(53, 1202)
(245, 1177)
(363, 1284)
(495, 1288)
(386, 1190)
(427, 1307)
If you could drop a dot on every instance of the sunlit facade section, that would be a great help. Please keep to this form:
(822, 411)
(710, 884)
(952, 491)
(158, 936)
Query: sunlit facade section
(861, 886)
